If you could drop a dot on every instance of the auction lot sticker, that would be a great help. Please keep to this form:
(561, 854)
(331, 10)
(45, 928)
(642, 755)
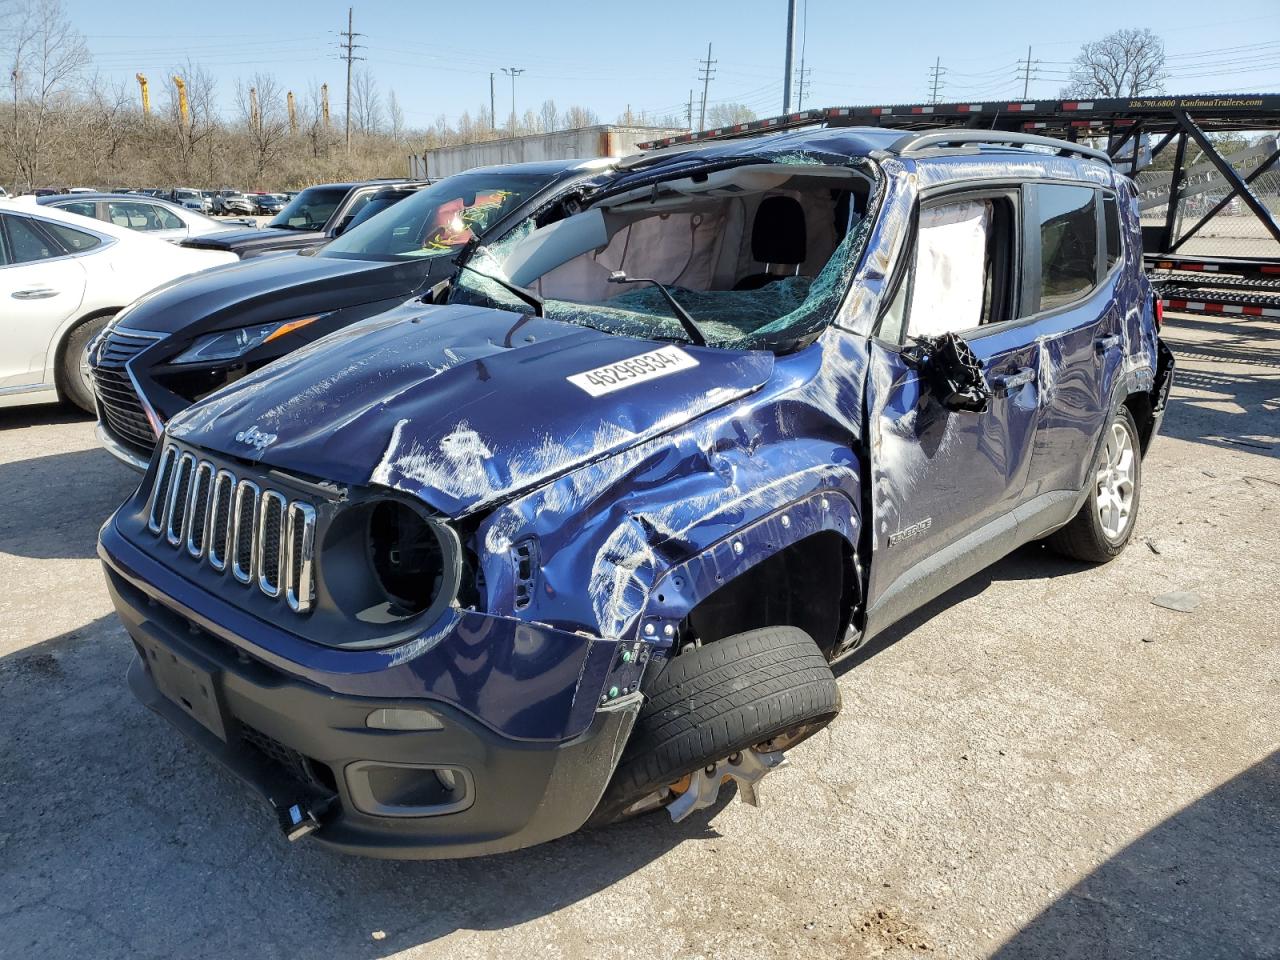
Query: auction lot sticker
(624, 373)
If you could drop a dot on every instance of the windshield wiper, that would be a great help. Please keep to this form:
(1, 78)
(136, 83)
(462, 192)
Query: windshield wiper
(686, 321)
(532, 299)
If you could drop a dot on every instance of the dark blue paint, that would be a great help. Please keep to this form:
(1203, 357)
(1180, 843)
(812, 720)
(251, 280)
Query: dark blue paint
(637, 499)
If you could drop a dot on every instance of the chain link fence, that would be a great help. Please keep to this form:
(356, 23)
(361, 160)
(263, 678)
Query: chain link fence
(1232, 229)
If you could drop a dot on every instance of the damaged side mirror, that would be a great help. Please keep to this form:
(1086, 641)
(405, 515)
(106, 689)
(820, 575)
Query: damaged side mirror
(952, 372)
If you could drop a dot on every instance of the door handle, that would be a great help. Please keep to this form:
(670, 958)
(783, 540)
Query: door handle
(1008, 382)
(1103, 344)
(35, 293)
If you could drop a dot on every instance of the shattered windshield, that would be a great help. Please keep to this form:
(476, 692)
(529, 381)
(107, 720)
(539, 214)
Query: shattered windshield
(437, 220)
(758, 260)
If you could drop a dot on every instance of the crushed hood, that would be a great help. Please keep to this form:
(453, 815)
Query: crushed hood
(463, 406)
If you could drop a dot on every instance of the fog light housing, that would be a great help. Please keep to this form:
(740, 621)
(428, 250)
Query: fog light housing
(403, 718)
(409, 789)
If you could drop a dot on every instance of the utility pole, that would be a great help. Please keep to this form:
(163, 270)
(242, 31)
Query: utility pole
(791, 49)
(936, 72)
(293, 114)
(688, 112)
(350, 47)
(513, 72)
(705, 74)
(324, 106)
(802, 84)
(493, 110)
(1026, 75)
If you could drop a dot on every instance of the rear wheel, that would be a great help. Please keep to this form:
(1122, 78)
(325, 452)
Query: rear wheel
(727, 709)
(74, 381)
(1100, 531)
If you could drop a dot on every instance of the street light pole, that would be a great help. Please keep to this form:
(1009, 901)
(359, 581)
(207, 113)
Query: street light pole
(513, 72)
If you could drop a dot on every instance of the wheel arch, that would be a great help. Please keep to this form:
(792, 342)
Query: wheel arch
(60, 348)
(797, 566)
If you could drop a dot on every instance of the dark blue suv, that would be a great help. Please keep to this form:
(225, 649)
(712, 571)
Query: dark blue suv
(578, 536)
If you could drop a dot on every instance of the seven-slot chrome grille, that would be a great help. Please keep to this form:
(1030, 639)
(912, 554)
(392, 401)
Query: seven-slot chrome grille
(255, 535)
(122, 411)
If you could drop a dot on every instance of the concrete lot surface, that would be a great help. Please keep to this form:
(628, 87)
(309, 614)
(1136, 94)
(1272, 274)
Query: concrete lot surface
(1043, 763)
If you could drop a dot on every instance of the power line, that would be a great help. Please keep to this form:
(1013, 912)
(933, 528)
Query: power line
(935, 79)
(802, 84)
(350, 47)
(705, 74)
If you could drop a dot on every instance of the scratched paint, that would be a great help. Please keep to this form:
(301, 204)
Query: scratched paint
(472, 411)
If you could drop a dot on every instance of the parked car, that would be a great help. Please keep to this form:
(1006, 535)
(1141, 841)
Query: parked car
(190, 340)
(582, 541)
(233, 202)
(387, 197)
(268, 204)
(62, 277)
(191, 199)
(314, 217)
(159, 218)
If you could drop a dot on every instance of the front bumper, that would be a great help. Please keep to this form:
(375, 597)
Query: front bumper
(126, 455)
(296, 741)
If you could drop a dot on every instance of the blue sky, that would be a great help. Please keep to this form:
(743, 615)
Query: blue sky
(437, 56)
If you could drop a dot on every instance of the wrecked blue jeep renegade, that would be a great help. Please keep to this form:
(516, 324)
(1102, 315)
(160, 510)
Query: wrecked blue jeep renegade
(579, 536)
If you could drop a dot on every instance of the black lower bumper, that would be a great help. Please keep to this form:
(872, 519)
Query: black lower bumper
(372, 789)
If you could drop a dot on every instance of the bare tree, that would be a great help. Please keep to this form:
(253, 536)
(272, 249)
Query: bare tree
(1127, 63)
(366, 103)
(47, 55)
(549, 116)
(110, 123)
(727, 114)
(262, 111)
(194, 133)
(395, 117)
(577, 116)
(319, 136)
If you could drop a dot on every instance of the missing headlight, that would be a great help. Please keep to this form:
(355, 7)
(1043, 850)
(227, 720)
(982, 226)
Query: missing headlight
(407, 556)
(386, 562)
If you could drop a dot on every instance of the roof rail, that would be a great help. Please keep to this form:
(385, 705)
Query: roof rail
(919, 141)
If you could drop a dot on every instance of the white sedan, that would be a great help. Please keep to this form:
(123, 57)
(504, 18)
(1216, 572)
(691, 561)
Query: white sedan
(157, 218)
(62, 277)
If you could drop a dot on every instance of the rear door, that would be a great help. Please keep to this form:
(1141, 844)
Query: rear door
(1069, 302)
(945, 482)
(41, 287)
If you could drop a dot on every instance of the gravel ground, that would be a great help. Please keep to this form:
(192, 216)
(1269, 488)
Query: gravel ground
(1043, 763)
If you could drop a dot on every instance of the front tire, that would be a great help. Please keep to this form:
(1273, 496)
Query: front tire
(1102, 528)
(74, 383)
(768, 689)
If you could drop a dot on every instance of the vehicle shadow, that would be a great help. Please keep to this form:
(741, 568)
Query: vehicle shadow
(1227, 375)
(1032, 561)
(119, 839)
(54, 505)
(1201, 884)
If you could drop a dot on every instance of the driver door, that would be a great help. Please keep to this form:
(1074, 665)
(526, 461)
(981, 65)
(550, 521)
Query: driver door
(945, 481)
